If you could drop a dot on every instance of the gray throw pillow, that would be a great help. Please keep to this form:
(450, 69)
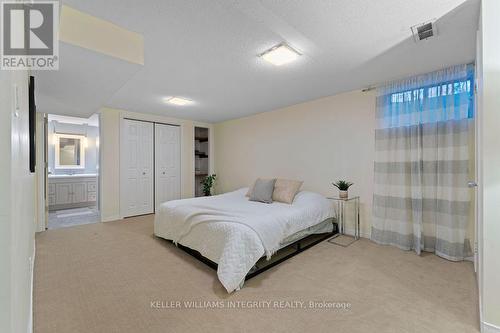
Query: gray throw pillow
(263, 190)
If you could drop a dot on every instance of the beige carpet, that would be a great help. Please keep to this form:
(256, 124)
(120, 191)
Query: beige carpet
(103, 277)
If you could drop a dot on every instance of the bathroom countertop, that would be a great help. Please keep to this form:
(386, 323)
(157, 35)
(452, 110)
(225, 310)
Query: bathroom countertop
(76, 175)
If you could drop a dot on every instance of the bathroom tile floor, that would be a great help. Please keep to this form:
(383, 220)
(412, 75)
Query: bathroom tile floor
(72, 217)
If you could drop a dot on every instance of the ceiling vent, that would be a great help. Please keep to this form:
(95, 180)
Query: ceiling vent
(424, 31)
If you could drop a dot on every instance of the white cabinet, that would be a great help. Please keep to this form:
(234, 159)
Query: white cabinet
(92, 187)
(79, 193)
(64, 193)
(72, 192)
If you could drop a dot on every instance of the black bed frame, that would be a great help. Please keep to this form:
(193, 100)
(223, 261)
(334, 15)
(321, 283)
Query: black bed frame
(281, 255)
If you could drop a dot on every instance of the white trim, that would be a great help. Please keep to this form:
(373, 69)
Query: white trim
(111, 218)
(489, 328)
(478, 196)
(41, 173)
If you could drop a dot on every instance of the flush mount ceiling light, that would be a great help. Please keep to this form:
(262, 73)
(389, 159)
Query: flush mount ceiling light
(178, 101)
(280, 54)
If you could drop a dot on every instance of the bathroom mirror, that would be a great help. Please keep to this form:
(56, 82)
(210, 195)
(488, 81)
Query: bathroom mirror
(69, 151)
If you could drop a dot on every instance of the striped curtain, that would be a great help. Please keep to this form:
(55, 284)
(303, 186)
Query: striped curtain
(421, 199)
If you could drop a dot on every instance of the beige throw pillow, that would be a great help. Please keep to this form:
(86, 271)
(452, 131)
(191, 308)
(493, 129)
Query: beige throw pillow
(286, 189)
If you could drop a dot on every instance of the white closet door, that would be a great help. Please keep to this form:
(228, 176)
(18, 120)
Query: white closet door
(167, 163)
(136, 190)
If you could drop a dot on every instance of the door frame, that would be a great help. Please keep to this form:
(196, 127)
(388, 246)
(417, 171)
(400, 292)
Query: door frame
(42, 205)
(43, 225)
(124, 117)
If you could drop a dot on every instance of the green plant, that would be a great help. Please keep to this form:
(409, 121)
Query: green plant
(208, 183)
(342, 185)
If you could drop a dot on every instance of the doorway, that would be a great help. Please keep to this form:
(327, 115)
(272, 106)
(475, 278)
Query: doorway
(72, 158)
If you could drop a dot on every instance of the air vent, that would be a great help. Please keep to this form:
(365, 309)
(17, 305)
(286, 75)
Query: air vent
(423, 31)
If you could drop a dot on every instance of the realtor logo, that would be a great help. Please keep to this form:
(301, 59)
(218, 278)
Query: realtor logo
(30, 35)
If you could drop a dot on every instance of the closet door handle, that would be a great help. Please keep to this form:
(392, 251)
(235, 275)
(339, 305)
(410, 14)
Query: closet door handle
(471, 184)
(143, 173)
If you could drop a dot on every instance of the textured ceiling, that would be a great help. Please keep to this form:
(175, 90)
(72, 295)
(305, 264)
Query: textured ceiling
(206, 51)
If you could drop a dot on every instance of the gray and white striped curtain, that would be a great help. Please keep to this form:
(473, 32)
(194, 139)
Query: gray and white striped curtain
(421, 199)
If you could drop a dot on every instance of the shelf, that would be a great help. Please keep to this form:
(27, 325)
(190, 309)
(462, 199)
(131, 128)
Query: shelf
(201, 139)
(201, 155)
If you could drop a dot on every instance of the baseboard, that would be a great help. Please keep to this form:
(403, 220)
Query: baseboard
(489, 328)
(350, 231)
(110, 218)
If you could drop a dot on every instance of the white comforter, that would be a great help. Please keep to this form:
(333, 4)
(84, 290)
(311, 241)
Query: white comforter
(235, 232)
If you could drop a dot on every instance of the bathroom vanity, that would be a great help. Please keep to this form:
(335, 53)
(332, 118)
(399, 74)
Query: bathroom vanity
(72, 191)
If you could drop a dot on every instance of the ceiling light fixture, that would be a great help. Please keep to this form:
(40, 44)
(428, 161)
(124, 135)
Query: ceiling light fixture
(280, 54)
(178, 101)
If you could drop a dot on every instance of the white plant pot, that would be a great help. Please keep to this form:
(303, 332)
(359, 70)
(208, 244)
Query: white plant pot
(343, 194)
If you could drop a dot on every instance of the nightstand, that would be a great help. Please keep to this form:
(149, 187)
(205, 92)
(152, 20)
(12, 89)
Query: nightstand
(341, 207)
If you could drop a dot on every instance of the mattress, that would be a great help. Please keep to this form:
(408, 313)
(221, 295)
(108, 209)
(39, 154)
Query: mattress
(225, 230)
(320, 228)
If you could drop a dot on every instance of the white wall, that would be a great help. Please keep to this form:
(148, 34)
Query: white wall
(318, 142)
(110, 156)
(489, 156)
(17, 206)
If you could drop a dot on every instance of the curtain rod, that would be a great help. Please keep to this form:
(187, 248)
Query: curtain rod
(381, 84)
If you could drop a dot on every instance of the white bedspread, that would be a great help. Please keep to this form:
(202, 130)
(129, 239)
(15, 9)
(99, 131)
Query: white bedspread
(235, 232)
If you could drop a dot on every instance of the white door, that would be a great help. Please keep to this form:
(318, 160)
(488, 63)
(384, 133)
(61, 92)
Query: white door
(136, 168)
(167, 163)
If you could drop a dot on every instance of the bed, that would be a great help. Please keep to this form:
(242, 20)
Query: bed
(234, 232)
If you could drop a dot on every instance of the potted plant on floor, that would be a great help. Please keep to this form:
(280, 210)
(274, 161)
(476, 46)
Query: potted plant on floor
(343, 187)
(208, 183)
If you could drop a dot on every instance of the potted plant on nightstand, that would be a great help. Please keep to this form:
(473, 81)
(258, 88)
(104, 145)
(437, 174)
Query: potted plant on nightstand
(343, 187)
(208, 183)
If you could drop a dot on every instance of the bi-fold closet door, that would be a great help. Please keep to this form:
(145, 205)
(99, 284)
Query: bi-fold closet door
(149, 166)
(167, 163)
